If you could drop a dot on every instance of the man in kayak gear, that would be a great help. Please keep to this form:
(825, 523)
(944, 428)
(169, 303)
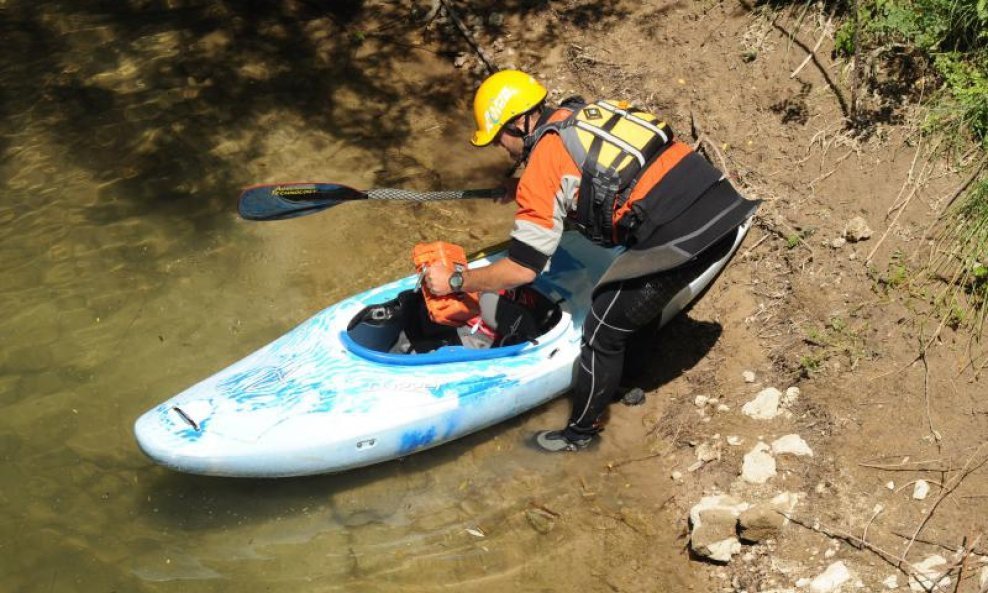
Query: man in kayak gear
(615, 173)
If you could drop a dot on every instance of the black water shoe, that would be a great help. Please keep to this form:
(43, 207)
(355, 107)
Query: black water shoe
(557, 440)
(633, 397)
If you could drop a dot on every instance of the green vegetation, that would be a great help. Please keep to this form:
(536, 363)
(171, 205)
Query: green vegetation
(946, 42)
(950, 36)
(835, 339)
(961, 262)
(897, 274)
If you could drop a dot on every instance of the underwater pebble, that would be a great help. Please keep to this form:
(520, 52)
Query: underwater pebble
(921, 489)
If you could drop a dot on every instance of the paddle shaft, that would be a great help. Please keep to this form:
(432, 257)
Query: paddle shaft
(409, 195)
(289, 200)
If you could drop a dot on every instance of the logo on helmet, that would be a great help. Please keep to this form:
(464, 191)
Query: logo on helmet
(492, 116)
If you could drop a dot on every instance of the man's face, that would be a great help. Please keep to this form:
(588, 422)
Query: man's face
(511, 138)
(513, 144)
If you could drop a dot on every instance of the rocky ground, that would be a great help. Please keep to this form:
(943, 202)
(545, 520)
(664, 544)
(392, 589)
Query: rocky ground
(822, 431)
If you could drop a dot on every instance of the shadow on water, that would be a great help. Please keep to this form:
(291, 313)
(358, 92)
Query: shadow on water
(162, 88)
(193, 502)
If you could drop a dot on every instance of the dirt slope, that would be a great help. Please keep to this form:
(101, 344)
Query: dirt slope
(802, 306)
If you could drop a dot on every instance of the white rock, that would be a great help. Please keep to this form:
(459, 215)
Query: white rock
(857, 230)
(921, 489)
(718, 502)
(748, 376)
(765, 406)
(803, 583)
(831, 580)
(676, 475)
(758, 464)
(891, 582)
(928, 571)
(696, 465)
(713, 523)
(723, 408)
(890, 485)
(792, 394)
(701, 400)
(707, 452)
(785, 502)
(724, 549)
(734, 440)
(983, 579)
(838, 242)
(791, 444)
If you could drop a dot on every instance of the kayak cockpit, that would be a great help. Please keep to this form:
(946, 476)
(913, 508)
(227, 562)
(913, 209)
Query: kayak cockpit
(399, 331)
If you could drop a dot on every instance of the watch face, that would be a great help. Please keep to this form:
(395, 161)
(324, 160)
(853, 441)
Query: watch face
(456, 281)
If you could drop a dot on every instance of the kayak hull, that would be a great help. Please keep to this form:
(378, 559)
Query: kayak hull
(311, 402)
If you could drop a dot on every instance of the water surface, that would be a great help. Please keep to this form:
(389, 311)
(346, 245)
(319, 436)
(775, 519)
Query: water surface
(128, 130)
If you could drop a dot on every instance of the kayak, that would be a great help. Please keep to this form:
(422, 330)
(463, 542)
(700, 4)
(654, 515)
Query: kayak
(338, 392)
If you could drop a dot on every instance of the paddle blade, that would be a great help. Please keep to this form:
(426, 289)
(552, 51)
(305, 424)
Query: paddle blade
(288, 200)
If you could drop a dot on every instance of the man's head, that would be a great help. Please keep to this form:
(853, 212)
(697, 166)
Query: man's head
(505, 110)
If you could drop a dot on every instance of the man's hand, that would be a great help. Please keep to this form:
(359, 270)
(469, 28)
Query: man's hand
(436, 279)
(510, 189)
(501, 274)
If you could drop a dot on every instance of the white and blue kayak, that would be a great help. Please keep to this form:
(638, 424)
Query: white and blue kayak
(336, 393)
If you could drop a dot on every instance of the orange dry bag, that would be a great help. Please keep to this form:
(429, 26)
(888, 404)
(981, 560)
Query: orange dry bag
(452, 309)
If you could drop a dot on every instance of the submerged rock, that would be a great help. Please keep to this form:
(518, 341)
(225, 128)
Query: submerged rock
(540, 520)
(921, 489)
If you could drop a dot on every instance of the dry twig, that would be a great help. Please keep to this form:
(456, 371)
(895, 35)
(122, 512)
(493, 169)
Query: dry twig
(860, 544)
(491, 67)
(819, 42)
(901, 206)
(702, 138)
(930, 542)
(902, 467)
(965, 472)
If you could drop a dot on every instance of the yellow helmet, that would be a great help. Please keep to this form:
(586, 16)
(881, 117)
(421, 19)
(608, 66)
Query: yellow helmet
(502, 97)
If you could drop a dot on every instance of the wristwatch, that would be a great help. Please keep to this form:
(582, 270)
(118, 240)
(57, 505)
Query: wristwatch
(456, 281)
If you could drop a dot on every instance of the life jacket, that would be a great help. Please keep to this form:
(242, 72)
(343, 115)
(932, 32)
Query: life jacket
(511, 316)
(612, 143)
(455, 309)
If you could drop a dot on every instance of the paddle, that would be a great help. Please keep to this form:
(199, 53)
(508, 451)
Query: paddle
(288, 200)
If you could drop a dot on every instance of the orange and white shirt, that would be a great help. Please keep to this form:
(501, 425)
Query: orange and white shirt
(548, 191)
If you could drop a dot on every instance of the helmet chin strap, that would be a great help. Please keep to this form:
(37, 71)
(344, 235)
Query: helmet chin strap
(528, 140)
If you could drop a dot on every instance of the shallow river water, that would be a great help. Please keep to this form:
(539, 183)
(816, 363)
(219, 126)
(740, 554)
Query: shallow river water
(128, 130)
